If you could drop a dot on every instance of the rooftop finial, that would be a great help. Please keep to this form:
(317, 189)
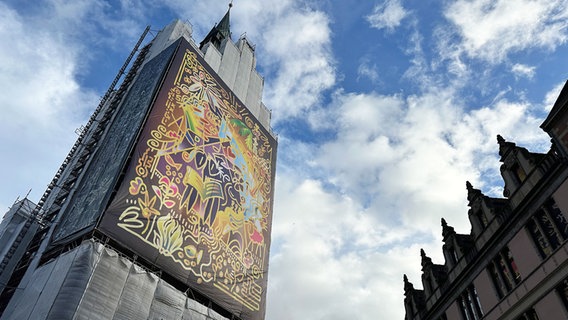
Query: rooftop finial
(504, 146)
(500, 139)
(426, 261)
(408, 287)
(230, 4)
(472, 193)
(446, 230)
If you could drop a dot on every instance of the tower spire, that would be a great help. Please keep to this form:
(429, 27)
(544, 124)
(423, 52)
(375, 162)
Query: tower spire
(220, 31)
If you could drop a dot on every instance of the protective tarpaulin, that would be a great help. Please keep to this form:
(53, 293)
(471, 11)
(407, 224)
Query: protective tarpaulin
(196, 311)
(94, 282)
(168, 303)
(77, 279)
(109, 278)
(38, 296)
(32, 293)
(137, 294)
(56, 278)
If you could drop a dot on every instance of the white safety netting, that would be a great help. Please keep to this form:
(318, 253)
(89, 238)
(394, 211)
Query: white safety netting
(95, 282)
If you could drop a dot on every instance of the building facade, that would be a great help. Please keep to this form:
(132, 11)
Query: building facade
(17, 229)
(514, 263)
(163, 207)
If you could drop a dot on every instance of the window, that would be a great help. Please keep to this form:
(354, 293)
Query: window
(469, 304)
(548, 228)
(504, 272)
(528, 315)
(520, 173)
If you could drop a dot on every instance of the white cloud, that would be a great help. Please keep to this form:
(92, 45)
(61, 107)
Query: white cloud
(490, 30)
(299, 47)
(522, 70)
(389, 149)
(413, 154)
(322, 265)
(387, 15)
(41, 103)
(397, 165)
(368, 70)
(552, 95)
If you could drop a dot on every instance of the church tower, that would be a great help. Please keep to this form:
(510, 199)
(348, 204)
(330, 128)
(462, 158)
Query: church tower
(163, 207)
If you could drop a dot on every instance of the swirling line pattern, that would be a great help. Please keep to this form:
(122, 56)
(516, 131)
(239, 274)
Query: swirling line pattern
(199, 189)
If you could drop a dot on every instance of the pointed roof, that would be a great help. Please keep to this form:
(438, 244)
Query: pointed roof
(426, 261)
(220, 31)
(412, 294)
(504, 146)
(447, 231)
(472, 193)
(438, 271)
(224, 26)
(408, 287)
(494, 205)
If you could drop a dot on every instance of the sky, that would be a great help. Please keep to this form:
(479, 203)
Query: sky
(383, 110)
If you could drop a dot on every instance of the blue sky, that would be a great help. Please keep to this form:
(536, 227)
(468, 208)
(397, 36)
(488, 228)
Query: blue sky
(383, 110)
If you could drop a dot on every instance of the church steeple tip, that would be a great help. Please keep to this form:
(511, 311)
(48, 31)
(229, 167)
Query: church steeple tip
(220, 31)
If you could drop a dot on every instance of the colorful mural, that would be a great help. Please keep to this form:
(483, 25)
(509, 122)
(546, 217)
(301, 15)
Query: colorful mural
(196, 199)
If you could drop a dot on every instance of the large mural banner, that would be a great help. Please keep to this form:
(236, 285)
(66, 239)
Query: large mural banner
(196, 198)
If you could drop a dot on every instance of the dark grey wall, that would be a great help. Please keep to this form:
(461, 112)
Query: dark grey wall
(95, 187)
